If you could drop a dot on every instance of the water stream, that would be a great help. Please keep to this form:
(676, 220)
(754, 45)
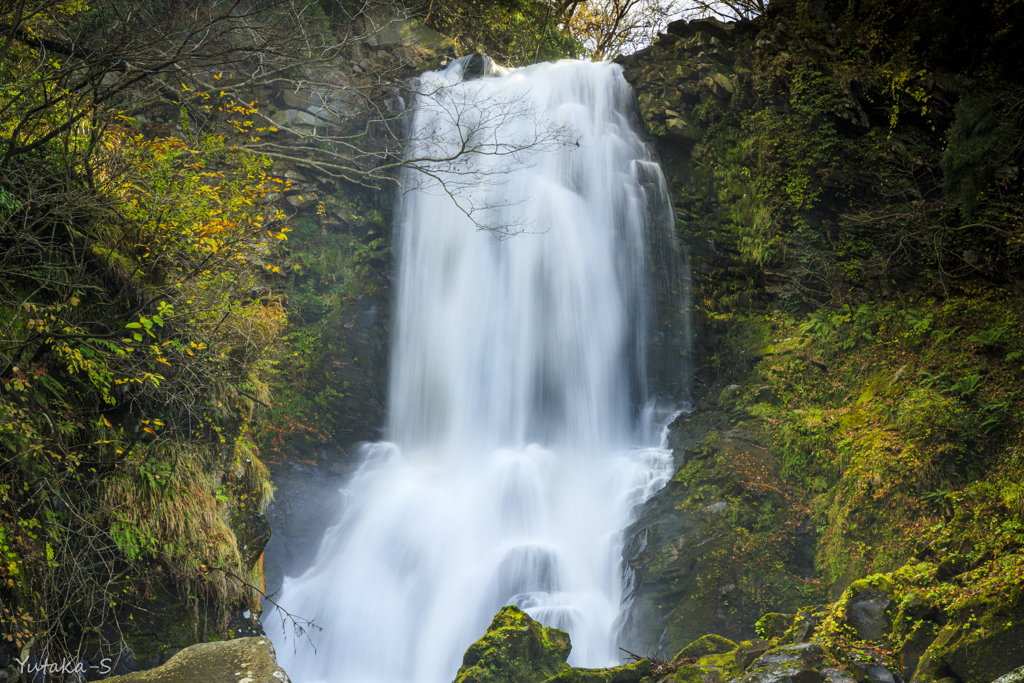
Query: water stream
(518, 441)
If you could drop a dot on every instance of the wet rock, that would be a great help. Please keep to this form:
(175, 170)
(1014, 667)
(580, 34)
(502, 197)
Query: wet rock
(782, 672)
(804, 625)
(675, 550)
(869, 610)
(706, 645)
(832, 675)
(876, 673)
(515, 649)
(631, 673)
(242, 660)
(789, 664)
(979, 652)
(1015, 676)
(914, 647)
(809, 654)
(774, 625)
(748, 651)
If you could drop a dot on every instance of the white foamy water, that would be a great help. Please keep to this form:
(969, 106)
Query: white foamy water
(517, 448)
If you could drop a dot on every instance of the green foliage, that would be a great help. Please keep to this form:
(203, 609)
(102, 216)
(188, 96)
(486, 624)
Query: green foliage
(138, 330)
(512, 32)
(985, 136)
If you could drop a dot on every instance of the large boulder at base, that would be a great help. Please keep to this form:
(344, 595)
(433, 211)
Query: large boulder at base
(630, 673)
(515, 649)
(242, 660)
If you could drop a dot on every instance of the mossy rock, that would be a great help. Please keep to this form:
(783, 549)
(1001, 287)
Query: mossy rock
(242, 660)
(630, 673)
(773, 625)
(710, 644)
(977, 653)
(682, 550)
(869, 607)
(698, 673)
(515, 649)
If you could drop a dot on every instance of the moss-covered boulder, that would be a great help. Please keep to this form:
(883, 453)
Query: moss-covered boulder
(870, 607)
(773, 625)
(975, 652)
(630, 673)
(515, 649)
(788, 664)
(710, 644)
(242, 660)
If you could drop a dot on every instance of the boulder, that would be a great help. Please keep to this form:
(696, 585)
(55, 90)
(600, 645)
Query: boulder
(783, 672)
(748, 651)
(832, 675)
(515, 649)
(788, 664)
(631, 673)
(1015, 676)
(774, 625)
(869, 609)
(914, 647)
(976, 653)
(876, 673)
(242, 660)
(704, 646)
(810, 654)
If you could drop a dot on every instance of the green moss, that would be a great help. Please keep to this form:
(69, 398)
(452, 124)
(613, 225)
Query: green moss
(630, 673)
(710, 644)
(773, 625)
(515, 649)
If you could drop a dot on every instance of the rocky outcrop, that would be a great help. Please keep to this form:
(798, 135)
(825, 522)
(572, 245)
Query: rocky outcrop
(243, 660)
(515, 649)
(686, 568)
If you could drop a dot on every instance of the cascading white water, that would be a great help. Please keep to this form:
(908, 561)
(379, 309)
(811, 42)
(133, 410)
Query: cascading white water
(517, 447)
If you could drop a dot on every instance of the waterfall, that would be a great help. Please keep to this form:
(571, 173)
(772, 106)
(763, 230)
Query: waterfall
(518, 444)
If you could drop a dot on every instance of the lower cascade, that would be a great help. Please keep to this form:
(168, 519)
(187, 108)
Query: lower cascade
(518, 441)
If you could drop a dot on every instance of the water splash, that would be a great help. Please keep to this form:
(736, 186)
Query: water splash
(518, 447)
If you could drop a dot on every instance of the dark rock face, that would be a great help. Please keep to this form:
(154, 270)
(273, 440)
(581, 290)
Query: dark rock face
(682, 578)
(976, 654)
(515, 649)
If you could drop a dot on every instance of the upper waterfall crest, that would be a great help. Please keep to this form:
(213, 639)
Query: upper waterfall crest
(531, 339)
(518, 444)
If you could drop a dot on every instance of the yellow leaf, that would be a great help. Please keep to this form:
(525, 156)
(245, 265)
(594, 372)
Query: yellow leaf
(150, 430)
(106, 422)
